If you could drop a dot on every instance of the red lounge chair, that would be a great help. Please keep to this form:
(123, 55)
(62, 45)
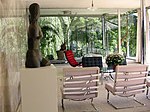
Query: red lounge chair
(70, 58)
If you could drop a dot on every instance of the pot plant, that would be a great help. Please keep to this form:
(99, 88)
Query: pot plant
(112, 60)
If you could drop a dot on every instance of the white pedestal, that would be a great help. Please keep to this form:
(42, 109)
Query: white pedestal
(39, 89)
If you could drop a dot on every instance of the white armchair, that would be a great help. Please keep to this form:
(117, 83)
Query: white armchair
(80, 84)
(129, 81)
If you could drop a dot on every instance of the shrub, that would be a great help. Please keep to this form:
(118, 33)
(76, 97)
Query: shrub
(114, 59)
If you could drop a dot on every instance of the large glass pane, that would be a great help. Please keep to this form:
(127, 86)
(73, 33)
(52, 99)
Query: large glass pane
(128, 34)
(81, 34)
(89, 35)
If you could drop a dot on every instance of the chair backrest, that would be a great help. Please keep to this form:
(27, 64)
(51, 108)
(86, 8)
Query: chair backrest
(92, 62)
(70, 58)
(80, 83)
(130, 79)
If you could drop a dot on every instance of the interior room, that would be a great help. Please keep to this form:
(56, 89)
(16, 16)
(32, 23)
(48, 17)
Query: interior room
(87, 55)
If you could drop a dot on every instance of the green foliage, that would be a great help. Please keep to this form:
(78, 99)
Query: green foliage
(85, 33)
(132, 41)
(113, 40)
(52, 36)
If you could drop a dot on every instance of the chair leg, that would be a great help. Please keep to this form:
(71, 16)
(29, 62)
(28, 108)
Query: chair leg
(62, 104)
(101, 78)
(94, 105)
(147, 93)
(107, 96)
(138, 101)
(109, 101)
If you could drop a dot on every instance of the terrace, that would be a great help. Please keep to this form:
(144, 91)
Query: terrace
(98, 27)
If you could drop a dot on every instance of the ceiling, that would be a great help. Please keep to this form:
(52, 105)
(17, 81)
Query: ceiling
(79, 7)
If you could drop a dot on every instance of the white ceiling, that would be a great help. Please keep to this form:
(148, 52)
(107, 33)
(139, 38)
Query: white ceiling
(56, 7)
(87, 3)
(81, 11)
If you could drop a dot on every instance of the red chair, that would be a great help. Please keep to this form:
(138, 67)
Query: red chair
(70, 58)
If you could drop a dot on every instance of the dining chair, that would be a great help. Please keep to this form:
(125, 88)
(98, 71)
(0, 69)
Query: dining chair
(80, 84)
(130, 80)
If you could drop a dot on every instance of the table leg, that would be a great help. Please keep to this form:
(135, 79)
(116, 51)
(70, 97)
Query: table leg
(101, 78)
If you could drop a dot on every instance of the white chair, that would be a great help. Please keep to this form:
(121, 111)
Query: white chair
(147, 85)
(129, 81)
(80, 84)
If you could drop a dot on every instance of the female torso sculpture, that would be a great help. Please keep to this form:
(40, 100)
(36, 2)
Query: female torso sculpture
(33, 56)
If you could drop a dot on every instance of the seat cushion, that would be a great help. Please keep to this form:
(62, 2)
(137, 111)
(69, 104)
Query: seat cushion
(92, 62)
(110, 87)
(148, 82)
(70, 58)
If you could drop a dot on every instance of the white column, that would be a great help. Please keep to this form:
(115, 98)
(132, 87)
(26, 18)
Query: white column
(143, 31)
(119, 32)
(147, 38)
(138, 40)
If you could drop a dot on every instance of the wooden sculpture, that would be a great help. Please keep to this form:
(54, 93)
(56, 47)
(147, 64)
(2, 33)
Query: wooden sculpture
(33, 55)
